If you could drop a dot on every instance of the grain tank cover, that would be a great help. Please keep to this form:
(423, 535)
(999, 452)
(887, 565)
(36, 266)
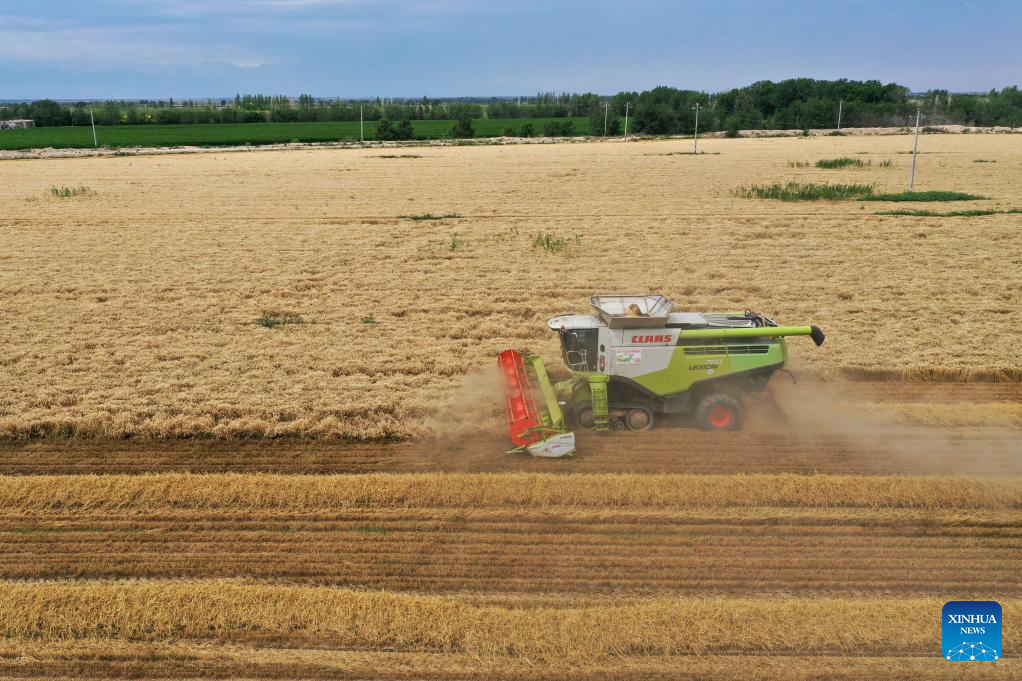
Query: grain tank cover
(633, 312)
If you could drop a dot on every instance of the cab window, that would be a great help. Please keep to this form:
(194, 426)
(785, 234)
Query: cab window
(579, 348)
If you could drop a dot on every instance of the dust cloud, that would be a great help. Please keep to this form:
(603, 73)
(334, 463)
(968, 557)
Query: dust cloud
(467, 430)
(870, 419)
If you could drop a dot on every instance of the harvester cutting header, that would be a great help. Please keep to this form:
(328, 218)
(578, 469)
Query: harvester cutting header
(637, 358)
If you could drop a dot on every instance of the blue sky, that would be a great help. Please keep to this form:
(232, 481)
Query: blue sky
(391, 48)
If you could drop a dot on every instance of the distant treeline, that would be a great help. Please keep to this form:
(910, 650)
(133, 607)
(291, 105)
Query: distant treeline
(799, 103)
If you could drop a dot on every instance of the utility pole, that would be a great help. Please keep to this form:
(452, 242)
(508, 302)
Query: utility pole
(361, 127)
(915, 150)
(840, 106)
(695, 138)
(606, 110)
(95, 141)
(627, 106)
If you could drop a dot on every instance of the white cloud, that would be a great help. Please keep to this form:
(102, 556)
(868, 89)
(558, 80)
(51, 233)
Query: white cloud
(119, 46)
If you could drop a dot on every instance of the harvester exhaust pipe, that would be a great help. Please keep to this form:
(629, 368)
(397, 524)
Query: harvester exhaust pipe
(817, 335)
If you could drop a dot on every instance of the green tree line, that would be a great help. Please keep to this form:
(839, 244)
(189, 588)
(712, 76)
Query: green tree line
(798, 103)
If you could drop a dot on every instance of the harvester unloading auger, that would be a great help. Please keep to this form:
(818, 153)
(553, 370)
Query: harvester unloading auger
(637, 359)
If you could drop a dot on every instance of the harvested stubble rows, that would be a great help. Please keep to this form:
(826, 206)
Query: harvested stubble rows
(497, 575)
(94, 658)
(133, 311)
(524, 533)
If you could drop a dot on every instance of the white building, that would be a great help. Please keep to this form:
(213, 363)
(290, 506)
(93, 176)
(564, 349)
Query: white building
(17, 123)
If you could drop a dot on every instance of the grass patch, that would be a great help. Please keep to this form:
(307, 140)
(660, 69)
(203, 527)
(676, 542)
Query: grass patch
(838, 163)
(398, 156)
(272, 320)
(369, 319)
(924, 196)
(65, 192)
(950, 214)
(804, 191)
(552, 243)
(842, 162)
(429, 216)
(984, 160)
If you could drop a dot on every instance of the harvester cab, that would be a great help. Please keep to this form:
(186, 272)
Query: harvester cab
(637, 358)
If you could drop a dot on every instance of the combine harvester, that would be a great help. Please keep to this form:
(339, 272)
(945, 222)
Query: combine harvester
(637, 359)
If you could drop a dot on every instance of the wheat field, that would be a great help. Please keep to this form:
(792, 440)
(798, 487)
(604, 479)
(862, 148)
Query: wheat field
(135, 309)
(248, 425)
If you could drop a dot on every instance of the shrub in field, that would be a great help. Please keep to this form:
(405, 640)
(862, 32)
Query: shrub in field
(565, 128)
(528, 130)
(404, 129)
(274, 319)
(924, 196)
(463, 129)
(887, 163)
(388, 132)
(66, 192)
(804, 191)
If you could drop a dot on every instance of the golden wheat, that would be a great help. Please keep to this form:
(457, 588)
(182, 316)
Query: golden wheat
(471, 490)
(135, 313)
(225, 611)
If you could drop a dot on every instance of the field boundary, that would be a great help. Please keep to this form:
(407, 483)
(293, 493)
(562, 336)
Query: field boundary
(86, 152)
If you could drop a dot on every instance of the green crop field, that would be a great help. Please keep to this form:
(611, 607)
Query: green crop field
(219, 134)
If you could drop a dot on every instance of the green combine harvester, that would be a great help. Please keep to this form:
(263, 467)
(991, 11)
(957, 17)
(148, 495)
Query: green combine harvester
(636, 359)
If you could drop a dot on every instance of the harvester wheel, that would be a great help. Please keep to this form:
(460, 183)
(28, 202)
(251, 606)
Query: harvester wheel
(719, 411)
(584, 417)
(639, 419)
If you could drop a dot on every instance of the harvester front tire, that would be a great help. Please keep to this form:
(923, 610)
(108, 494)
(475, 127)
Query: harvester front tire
(719, 411)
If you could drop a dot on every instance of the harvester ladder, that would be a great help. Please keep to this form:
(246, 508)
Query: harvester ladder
(601, 404)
